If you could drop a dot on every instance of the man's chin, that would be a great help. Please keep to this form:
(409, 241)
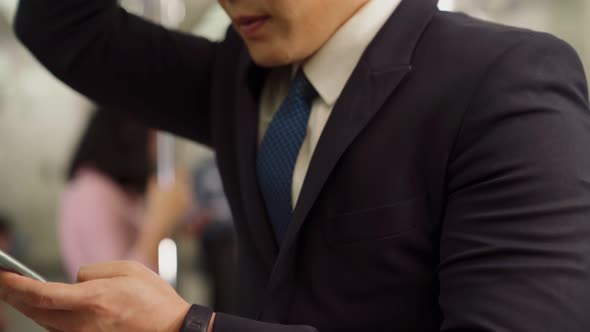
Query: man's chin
(270, 59)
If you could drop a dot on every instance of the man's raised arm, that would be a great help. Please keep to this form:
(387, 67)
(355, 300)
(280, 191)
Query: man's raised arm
(122, 61)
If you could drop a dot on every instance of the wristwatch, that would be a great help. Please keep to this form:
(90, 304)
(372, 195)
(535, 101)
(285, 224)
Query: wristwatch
(197, 319)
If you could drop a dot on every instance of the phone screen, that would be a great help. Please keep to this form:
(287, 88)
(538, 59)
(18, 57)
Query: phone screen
(9, 263)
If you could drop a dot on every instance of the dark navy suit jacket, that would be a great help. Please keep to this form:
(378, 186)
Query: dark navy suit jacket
(450, 190)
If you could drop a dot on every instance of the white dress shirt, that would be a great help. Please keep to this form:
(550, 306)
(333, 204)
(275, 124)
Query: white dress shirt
(328, 71)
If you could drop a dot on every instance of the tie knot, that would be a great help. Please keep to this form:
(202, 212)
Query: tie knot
(302, 87)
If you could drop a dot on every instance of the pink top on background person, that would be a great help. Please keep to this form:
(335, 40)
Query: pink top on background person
(98, 221)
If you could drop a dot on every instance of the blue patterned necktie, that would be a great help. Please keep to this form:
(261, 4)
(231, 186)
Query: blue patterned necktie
(279, 150)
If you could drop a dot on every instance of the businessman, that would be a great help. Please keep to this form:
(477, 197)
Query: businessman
(390, 167)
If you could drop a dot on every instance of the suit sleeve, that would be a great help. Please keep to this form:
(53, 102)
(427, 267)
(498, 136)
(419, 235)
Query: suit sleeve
(229, 323)
(123, 62)
(515, 243)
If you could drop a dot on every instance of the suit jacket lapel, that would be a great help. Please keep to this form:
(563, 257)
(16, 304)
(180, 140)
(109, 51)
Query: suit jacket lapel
(381, 70)
(361, 99)
(248, 89)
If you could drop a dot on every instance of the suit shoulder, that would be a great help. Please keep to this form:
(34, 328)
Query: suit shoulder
(463, 36)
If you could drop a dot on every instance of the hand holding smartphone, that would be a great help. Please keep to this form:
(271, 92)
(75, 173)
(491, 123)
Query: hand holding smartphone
(9, 263)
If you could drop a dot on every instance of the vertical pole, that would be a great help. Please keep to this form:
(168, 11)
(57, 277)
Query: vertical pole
(166, 169)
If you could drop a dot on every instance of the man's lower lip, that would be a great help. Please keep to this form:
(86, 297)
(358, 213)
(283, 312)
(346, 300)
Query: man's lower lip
(250, 30)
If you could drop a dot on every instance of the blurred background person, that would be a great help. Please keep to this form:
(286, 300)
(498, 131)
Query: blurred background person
(112, 208)
(217, 239)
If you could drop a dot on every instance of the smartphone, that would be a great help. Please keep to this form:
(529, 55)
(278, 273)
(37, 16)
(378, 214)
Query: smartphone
(9, 263)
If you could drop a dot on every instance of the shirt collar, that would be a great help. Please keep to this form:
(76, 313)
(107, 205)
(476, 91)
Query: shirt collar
(331, 67)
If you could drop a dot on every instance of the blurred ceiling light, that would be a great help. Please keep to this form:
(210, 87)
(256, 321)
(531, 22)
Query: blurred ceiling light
(447, 5)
